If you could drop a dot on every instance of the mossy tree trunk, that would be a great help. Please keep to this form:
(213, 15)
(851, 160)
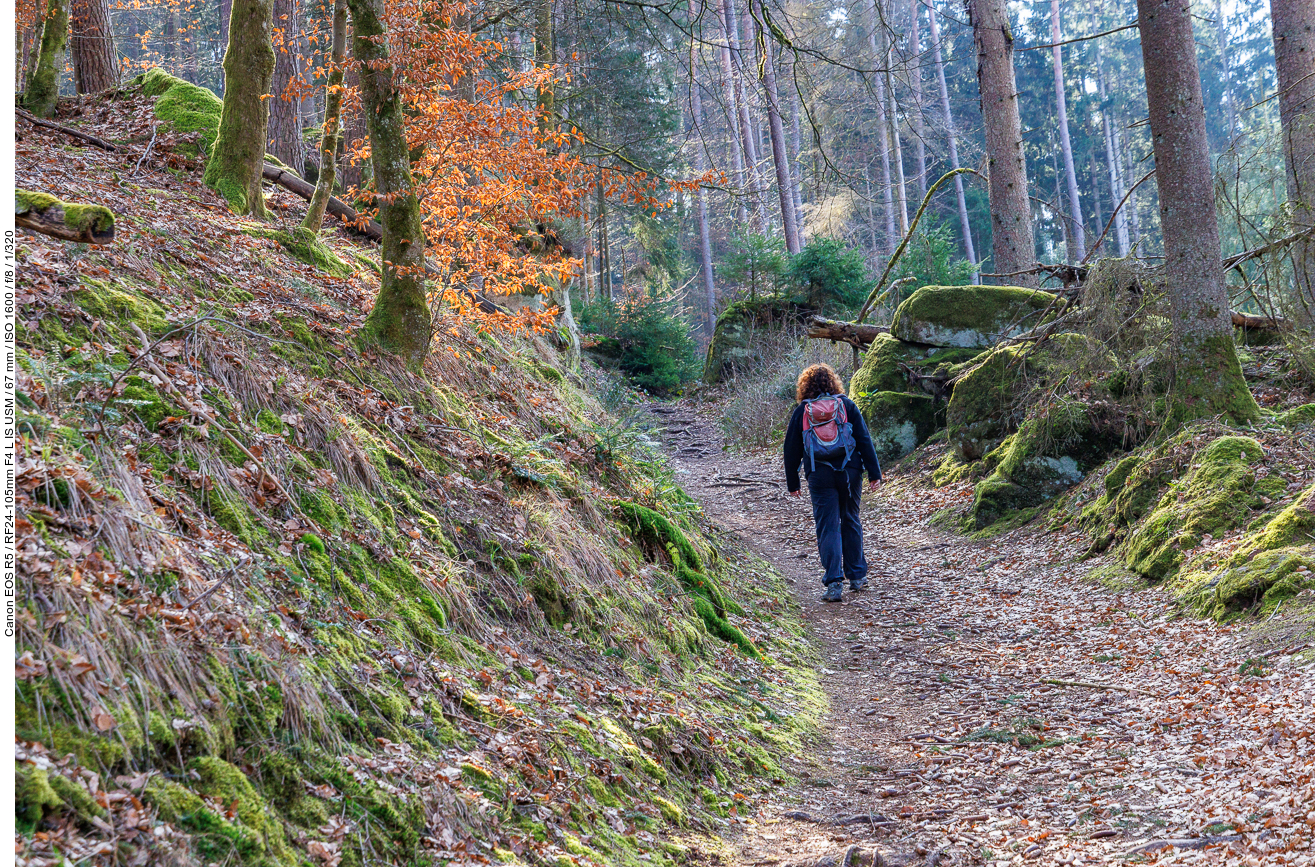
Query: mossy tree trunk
(1207, 376)
(94, 67)
(332, 122)
(43, 86)
(234, 164)
(1012, 244)
(400, 320)
(1294, 57)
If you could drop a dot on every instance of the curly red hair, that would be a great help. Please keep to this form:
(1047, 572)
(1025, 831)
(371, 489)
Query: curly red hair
(818, 380)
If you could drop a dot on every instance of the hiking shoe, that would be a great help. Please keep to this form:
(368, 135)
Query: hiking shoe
(834, 592)
(857, 584)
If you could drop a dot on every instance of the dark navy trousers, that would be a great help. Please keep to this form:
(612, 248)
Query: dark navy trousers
(835, 496)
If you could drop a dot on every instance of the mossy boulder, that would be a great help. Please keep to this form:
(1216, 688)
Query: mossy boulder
(898, 422)
(186, 108)
(733, 341)
(1047, 455)
(882, 371)
(1216, 495)
(970, 316)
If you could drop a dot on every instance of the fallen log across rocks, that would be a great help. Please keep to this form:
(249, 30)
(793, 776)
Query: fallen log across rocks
(859, 335)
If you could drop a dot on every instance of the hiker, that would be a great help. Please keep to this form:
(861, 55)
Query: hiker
(828, 436)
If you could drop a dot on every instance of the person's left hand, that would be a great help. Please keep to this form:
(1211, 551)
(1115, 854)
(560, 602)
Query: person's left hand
(796, 494)
(873, 484)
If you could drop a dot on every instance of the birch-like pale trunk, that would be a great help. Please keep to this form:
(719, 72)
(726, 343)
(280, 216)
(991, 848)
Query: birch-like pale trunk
(796, 163)
(1207, 377)
(1112, 160)
(747, 134)
(733, 117)
(915, 84)
(1294, 56)
(886, 94)
(964, 225)
(700, 166)
(883, 132)
(1012, 244)
(1065, 144)
(777, 132)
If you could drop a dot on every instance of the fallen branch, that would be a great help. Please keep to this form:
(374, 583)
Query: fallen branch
(78, 134)
(860, 336)
(1086, 685)
(1261, 323)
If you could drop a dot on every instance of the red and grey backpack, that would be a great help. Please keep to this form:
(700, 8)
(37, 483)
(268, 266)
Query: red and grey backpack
(828, 433)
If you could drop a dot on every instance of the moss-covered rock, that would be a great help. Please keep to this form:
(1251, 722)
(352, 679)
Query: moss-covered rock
(969, 316)
(983, 406)
(306, 246)
(897, 422)
(1215, 496)
(881, 369)
(186, 108)
(1048, 454)
(732, 343)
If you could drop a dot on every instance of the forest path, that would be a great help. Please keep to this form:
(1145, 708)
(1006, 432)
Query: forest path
(964, 724)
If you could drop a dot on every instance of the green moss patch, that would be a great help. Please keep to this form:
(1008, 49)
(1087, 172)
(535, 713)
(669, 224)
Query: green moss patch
(117, 307)
(305, 246)
(186, 108)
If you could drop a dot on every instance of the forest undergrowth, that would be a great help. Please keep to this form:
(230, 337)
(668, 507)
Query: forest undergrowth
(285, 602)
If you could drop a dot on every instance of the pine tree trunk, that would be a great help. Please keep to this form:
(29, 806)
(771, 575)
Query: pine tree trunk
(1294, 55)
(965, 227)
(915, 82)
(234, 164)
(1066, 146)
(732, 23)
(1112, 160)
(42, 92)
(332, 131)
(94, 67)
(883, 129)
(1012, 242)
(399, 321)
(733, 117)
(284, 110)
(700, 166)
(1207, 377)
(779, 155)
(796, 163)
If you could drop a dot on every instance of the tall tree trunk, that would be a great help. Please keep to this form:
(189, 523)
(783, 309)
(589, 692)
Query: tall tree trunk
(892, 117)
(1207, 377)
(332, 130)
(94, 68)
(741, 104)
(733, 117)
(284, 132)
(234, 164)
(1011, 214)
(1070, 173)
(915, 83)
(399, 321)
(604, 245)
(1134, 211)
(350, 172)
(700, 166)
(796, 162)
(965, 227)
(42, 92)
(883, 126)
(225, 13)
(1112, 160)
(779, 155)
(1294, 55)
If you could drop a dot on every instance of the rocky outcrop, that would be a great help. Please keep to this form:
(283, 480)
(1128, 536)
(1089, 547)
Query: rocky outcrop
(734, 344)
(970, 317)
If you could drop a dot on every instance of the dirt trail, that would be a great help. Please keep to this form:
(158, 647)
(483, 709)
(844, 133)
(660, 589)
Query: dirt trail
(967, 725)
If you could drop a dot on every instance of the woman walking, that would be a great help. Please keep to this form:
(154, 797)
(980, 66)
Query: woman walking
(828, 436)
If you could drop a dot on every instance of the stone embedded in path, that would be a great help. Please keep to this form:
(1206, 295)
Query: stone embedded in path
(971, 317)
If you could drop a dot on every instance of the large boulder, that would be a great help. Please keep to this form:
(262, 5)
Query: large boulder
(1048, 454)
(735, 342)
(970, 317)
(987, 402)
(898, 422)
(882, 371)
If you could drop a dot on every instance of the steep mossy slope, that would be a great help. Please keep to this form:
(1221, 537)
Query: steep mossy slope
(284, 602)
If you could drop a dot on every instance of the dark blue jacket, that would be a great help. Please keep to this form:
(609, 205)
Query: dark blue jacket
(794, 444)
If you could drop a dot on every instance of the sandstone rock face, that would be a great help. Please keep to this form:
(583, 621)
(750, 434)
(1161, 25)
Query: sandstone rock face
(970, 317)
(733, 342)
